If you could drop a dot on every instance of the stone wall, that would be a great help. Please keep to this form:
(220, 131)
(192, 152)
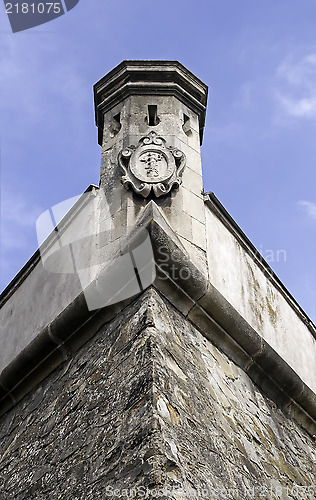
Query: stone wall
(149, 402)
(240, 274)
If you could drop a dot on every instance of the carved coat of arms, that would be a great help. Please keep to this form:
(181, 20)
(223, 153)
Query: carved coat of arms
(151, 166)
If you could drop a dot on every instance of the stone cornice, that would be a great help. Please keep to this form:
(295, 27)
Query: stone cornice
(218, 209)
(197, 299)
(152, 78)
(36, 257)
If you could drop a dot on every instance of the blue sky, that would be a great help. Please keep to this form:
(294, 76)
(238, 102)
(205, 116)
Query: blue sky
(259, 151)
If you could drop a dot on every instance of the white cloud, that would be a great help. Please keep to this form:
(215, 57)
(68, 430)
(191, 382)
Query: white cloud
(308, 207)
(299, 108)
(301, 72)
(296, 87)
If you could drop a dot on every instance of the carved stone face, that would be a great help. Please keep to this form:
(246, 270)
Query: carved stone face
(151, 166)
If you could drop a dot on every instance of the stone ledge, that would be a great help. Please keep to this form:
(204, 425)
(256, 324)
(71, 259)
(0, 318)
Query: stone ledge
(71, 329)
(166, 78)
(234, 335)
(21, 276)
(225, 218)
(199, 302)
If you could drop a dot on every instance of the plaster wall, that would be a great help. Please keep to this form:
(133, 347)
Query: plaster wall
(35, 303)
(236, 275)
(56, 276)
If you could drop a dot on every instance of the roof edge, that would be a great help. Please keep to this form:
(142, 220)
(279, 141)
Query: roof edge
(199, 302)
(220, 211)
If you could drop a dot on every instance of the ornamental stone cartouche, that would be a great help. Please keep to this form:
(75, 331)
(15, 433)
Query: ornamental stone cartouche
(151, 166)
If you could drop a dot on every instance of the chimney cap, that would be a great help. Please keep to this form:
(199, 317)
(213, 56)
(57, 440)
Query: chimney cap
(150, 77)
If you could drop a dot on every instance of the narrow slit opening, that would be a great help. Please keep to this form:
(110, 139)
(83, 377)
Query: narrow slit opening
(117, 118)
(152, 117)
(116, 125)
(186, 127)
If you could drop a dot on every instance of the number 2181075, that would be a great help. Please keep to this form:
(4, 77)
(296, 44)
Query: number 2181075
(32, 8)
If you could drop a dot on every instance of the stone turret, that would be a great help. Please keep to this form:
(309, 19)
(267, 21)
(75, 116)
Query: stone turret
(147, 349)
(150, 117)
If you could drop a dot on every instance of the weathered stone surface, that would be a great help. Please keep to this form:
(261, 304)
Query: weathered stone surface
(240, 274)
(150, 407)
(122, 101)
(179, 98)
(149, 402)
